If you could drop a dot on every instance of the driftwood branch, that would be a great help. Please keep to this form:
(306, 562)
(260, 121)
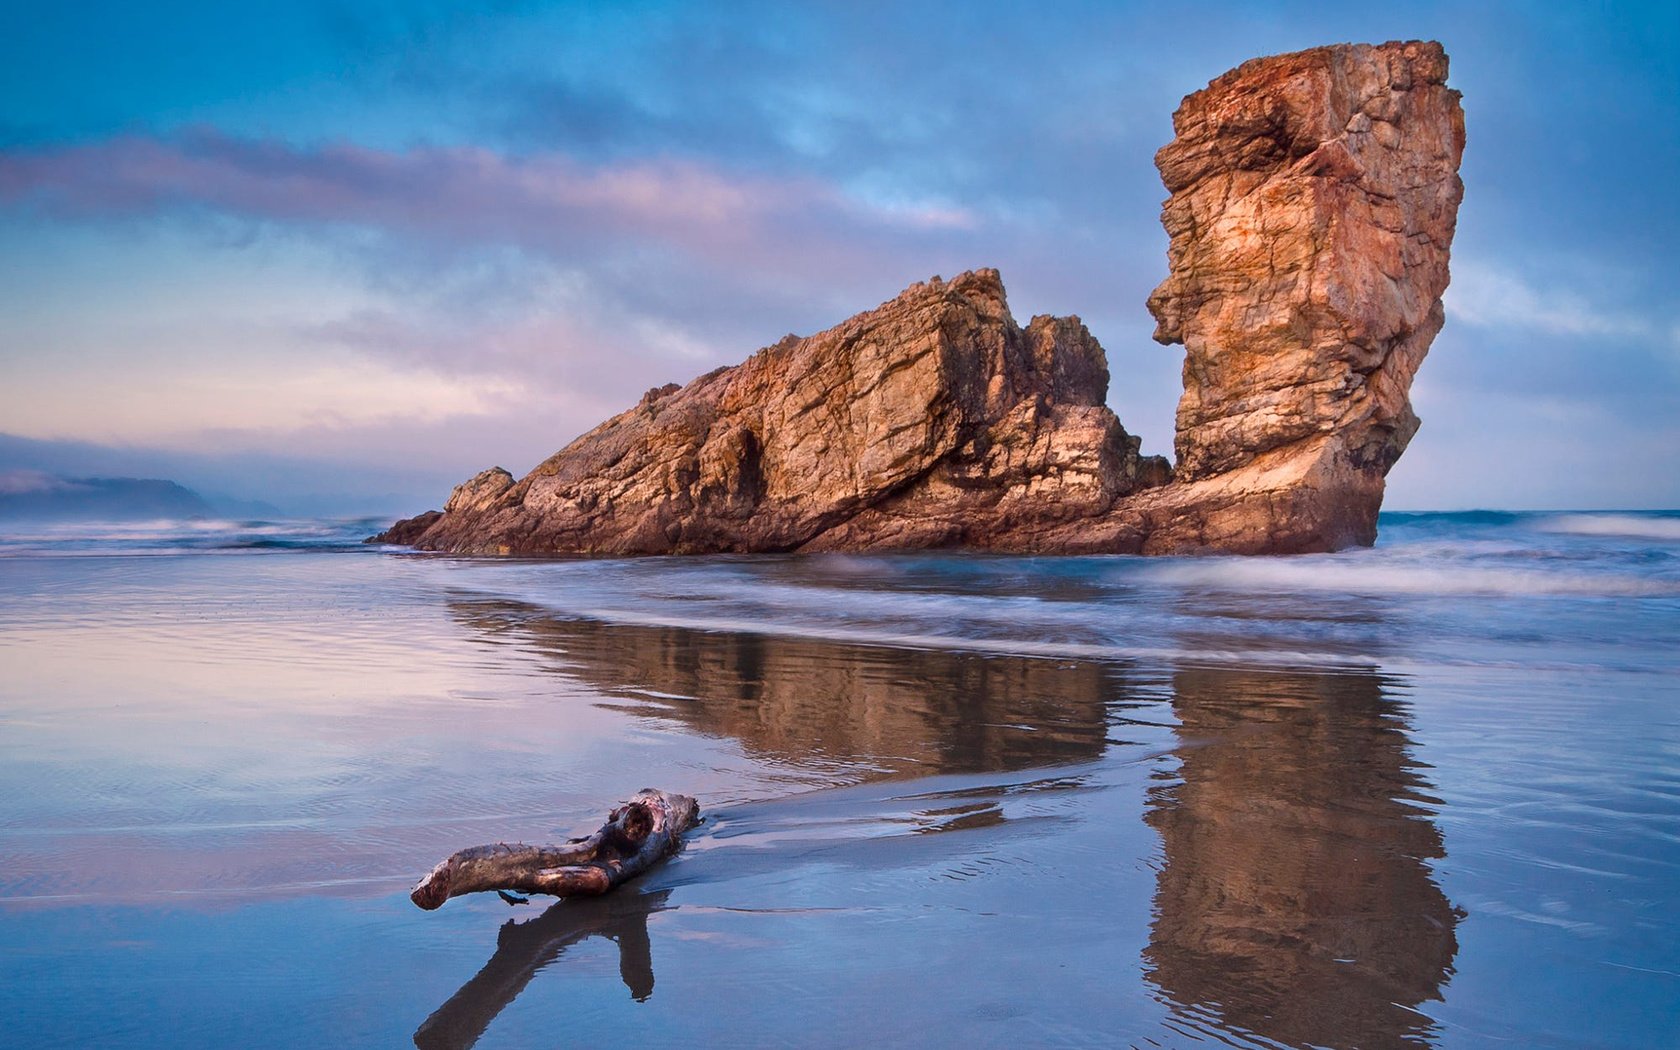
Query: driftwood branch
(636, 836)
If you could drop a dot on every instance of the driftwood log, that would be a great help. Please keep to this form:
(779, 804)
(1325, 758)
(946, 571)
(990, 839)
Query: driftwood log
(636, 836)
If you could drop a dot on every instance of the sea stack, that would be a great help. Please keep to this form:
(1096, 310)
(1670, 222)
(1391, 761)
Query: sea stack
(1313, 198)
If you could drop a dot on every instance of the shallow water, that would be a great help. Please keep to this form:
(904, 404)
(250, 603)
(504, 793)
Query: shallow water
(1422, 795)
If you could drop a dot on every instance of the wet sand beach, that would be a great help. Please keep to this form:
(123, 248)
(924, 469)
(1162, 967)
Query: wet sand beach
(1425, 795)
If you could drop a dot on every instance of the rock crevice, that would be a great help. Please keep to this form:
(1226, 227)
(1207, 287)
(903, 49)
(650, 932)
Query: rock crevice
(1313, 198)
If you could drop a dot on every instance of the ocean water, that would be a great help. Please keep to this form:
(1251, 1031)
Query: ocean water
(1426, 794)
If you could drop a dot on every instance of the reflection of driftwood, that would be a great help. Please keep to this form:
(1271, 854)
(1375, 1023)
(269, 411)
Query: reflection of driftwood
(524, 948)
(636, 836)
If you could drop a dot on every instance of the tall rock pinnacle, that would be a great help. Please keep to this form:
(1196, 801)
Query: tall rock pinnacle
(1314, 198)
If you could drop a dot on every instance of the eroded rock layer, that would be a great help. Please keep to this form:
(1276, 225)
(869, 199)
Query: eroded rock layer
(933, 420)
(1313, 201)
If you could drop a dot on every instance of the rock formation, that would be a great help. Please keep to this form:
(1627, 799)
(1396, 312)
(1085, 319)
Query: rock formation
(933, 420)
(1313, 201)
(1314, 198)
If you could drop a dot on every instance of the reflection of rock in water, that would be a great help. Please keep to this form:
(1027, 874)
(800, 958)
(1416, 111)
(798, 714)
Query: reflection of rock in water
(799, 698)
(523, 948)
(1295, 901)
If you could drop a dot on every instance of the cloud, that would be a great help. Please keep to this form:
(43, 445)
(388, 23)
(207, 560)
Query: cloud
(579, 202)
(1492, 448)
(467, 195)
(175, 409)
(388, 478)
(23, 482)
(485, 277)
(1491, 297)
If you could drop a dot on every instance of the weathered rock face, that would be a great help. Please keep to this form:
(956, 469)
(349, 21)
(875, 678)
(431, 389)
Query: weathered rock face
(932, 420)
(1313, 202)
(1314, 198)
(409, 530)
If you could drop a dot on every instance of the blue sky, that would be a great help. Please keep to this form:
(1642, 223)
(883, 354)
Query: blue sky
(342, 256)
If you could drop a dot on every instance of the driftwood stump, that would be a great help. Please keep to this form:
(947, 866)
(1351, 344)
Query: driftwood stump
(636, 836)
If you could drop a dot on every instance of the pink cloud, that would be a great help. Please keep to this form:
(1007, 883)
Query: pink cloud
(550, 202)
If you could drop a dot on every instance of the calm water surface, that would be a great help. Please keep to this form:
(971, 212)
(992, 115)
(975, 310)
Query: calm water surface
(1422, 795)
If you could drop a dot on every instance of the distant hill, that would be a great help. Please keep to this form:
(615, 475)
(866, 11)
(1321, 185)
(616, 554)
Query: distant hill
(36, 496)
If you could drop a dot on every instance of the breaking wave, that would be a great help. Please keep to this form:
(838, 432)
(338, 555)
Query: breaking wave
(1661, 527)
(1444, 576)
(1480, 587)
(167, 536)
(1466, 589)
